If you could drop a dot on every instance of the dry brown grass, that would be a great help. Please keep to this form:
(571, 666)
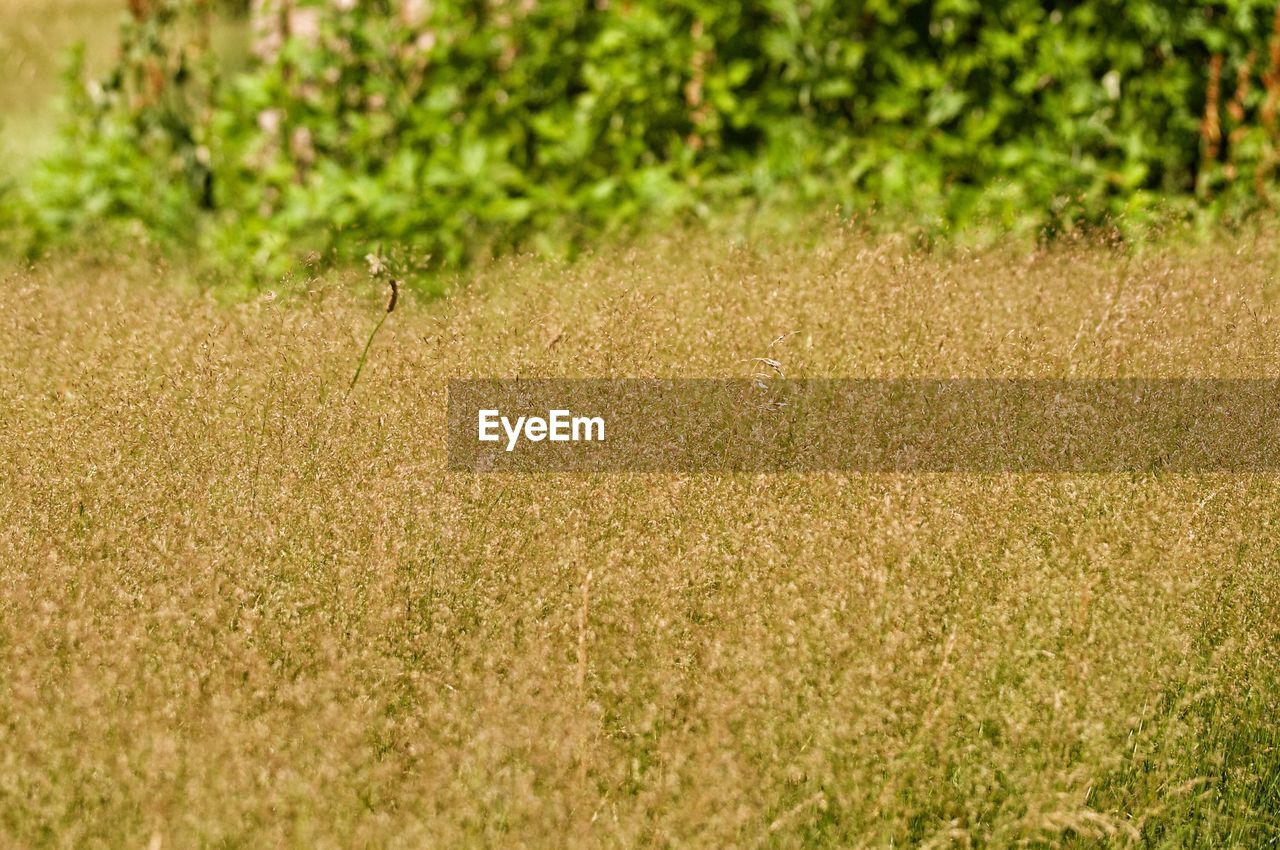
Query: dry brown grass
(238, 609)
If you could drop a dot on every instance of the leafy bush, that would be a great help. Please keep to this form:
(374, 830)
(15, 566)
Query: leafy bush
(469, 125)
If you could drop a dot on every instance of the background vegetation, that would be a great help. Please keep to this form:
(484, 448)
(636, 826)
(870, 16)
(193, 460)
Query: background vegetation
(459, 128)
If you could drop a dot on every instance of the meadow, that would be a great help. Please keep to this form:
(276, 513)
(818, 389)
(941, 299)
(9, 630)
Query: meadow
(242, 608)
(243, 603)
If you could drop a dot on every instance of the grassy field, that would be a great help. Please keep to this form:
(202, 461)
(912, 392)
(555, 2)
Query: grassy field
(241, 609)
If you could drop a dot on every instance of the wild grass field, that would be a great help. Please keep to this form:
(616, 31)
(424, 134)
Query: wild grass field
(241, 608)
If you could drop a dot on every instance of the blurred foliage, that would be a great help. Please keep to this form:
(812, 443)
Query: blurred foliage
(461, 127)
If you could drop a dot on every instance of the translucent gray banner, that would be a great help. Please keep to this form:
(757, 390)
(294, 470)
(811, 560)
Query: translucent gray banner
(928, 425)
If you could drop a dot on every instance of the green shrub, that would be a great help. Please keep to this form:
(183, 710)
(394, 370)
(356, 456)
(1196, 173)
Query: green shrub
(483, 125)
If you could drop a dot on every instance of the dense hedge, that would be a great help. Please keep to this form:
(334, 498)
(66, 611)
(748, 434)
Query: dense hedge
(453, 125)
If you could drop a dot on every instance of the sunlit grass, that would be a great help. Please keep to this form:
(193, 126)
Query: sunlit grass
(242, 608)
